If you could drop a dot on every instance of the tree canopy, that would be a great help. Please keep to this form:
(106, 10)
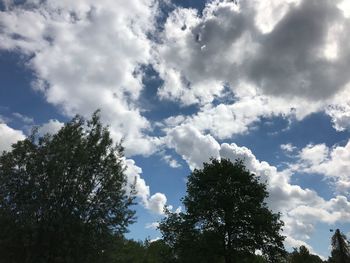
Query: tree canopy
(62, 196)
(63, 199)
(340, 248)
(302, 255)
(226, 217)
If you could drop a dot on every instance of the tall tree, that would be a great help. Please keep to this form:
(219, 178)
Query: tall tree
(62, 196)
(157, 252)
(303, 256)
(340, 248)
(226, 216)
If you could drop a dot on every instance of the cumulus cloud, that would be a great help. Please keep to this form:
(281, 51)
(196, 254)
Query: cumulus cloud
(225, 120)
(155, 202)
(339, 111)
(269, 13)
(333, 162)
(302, 230)
(87, 55)
(189, 61)
(314, 154)
(8, 137)
(293, 58)
(276, 58)
(200, 53)
(52, 127)
(171, 161)
(340, 115)
(194, 147)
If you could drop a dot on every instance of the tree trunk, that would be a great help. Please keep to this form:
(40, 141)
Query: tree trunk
(228, 259)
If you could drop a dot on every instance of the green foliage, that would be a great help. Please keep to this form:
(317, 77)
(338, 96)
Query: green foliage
(188, 243)
(340, 248)
(62, 196)
(131, 251)
(157, 252)
(303, 256)
(227, 219)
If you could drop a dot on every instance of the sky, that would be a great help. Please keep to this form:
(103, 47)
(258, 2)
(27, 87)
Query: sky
(182, 81)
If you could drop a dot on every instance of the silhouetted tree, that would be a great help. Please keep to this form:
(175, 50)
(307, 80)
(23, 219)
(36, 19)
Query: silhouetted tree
(62, 196)
(340, 248)
(129, 251)
(226, 218)
(157, 252)
(303, 256)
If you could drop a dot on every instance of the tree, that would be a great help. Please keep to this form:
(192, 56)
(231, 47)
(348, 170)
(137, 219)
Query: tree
(157, 252)
(129, 251)
(226, 217)
(62, 196)
(340, 248)
(303, 256)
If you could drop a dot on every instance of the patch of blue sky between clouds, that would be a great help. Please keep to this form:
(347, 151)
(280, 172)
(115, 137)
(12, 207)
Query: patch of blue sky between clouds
(17, 94)
(154, 108)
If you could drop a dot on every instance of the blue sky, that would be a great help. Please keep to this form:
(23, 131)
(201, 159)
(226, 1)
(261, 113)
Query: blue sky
(183, 81)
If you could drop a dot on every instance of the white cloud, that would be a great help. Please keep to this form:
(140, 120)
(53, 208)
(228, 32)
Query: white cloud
(133, 173)
(300, 228)
(344, 6)
(277, 70)
(295, 243)
(333, 162)
(227, 51)
(209, 48)
(339, 110)
(87, 55)
(223, 121)
(178, 210)
(260, 56)
(155, 239)
(171, 162)
(269, 13)
(194, 147)
(188, 57)
(8, 137)
(340, 115)
(157, 202)
(307, 213)
(314, 154)
(52, 127)
(154, 203)
(23, 118)
(153, 225)
(288, 147)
